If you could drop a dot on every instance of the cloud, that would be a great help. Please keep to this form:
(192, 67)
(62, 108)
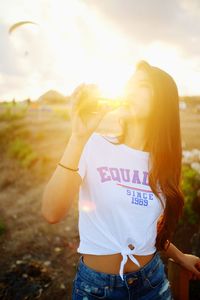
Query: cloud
(173, 21)
(84, 40)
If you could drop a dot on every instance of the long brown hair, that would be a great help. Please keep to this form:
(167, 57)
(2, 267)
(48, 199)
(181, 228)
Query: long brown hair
(164, 139)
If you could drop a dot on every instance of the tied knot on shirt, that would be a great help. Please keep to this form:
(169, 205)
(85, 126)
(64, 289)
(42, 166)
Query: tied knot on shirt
(130, 249)
(127, 252)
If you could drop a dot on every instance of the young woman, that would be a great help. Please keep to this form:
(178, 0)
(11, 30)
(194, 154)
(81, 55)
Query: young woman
(130, 198)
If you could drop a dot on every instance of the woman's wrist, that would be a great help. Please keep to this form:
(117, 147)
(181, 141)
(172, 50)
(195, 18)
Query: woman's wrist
(76, 143)
(174, 253)
(73, 150)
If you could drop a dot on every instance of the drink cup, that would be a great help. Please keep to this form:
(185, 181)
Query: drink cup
(113, 103)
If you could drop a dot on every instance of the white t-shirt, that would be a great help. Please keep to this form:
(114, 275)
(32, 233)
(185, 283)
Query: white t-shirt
(116, 204)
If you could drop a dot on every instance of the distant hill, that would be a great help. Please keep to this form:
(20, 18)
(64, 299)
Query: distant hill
(53, 97)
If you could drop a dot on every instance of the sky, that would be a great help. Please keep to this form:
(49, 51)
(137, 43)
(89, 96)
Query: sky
(96, 41)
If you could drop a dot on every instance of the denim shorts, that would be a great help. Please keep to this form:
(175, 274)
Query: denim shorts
(149, 282)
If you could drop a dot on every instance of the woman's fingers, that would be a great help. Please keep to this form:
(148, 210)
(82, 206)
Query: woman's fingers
(197, 267)
(86, 108)
(85, 97)
(196, 272)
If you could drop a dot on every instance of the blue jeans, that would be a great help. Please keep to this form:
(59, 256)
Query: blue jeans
(148, 283)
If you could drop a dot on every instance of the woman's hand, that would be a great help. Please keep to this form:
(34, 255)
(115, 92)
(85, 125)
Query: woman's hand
(192, 264)
(87, 112)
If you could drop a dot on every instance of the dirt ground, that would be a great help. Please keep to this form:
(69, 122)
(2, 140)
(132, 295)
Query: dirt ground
(37, 259)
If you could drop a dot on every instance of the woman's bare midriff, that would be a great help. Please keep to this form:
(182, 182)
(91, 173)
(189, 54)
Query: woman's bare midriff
(111, 263)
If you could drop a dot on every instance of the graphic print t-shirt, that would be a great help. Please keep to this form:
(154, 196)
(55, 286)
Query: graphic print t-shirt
(116, 203)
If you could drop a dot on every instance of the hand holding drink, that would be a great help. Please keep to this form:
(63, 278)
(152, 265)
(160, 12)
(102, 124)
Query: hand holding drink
(89, 108)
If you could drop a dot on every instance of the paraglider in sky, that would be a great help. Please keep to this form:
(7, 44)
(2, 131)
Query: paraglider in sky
(18, 24)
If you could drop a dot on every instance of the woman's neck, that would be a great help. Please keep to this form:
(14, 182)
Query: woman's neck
(135, 135)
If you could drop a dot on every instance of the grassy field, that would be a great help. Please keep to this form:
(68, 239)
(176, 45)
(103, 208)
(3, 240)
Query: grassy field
(32, 142)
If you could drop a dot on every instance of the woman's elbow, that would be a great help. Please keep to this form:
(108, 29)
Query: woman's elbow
(47, 216)
(53, 214)
(46, 210)
(49, 219)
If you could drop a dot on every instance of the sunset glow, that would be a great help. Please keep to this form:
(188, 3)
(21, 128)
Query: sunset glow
(75, 42)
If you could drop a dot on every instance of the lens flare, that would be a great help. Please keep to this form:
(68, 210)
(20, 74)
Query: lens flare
(86, 205)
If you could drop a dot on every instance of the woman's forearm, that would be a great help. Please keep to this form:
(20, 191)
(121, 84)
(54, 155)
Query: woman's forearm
(63, 184)
(174, 253)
